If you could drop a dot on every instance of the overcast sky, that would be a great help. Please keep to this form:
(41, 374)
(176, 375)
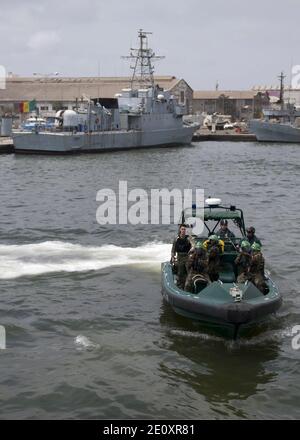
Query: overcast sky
(238, 43)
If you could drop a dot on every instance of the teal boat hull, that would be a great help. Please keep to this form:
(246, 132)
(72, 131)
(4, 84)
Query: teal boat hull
(216, 309)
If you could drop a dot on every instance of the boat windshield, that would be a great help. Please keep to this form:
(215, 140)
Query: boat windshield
(225, 221)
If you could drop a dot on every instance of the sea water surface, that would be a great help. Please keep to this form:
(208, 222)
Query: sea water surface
(87, 332)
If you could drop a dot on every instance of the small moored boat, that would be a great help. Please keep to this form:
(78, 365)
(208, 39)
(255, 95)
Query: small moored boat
(229, 307)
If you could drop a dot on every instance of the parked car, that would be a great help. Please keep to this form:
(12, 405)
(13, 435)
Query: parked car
(228, 126)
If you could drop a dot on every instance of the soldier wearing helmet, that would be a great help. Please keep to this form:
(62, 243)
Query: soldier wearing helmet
(215, 248)
(197, 266)
(213, 240)
(257, 269)
(242, 261)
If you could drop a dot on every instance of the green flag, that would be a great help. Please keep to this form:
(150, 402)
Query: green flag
(32, 105)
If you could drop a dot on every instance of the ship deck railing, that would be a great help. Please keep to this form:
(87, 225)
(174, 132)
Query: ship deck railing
(71, 132)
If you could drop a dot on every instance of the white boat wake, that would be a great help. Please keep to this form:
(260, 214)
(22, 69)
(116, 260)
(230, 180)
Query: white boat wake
(82, 342)
(57, 256)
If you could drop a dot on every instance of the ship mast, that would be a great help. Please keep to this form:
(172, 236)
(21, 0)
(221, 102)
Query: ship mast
(281, 78)
(141, 58)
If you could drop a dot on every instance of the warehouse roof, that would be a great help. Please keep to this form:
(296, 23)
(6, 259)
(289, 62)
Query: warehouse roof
(233, 94)
(70, 88)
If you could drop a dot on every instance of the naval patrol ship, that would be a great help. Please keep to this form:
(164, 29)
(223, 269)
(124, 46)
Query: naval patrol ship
(144, 115)
(277, 126)
(280, 123)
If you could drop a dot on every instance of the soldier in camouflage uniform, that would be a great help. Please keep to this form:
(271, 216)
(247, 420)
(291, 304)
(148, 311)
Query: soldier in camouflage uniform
(197, 267)
(257, 269)
(215, 248)
(180, 249)
(242, 262)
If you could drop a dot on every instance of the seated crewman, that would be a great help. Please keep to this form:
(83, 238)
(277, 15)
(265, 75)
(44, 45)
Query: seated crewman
(224, 232)
(251, 237)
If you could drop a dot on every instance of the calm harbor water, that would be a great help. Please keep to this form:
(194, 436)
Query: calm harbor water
(88, 335)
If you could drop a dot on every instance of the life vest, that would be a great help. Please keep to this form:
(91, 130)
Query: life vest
(221, 245)
(182, 245)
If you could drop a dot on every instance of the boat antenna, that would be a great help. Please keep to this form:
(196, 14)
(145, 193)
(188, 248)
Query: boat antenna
(182, 216)
(281, 79)
(142, 58)
(191, 177)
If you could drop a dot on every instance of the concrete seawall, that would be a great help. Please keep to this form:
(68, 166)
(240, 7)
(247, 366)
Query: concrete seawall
(223, 136)
(6, 145)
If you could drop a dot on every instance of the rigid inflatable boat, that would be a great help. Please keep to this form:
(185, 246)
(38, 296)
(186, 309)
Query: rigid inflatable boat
(224, 305)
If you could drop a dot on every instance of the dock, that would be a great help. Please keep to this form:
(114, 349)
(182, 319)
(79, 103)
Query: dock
(6, 145)
(223, 135)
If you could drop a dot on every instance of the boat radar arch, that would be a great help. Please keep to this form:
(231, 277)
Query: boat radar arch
(213, 202)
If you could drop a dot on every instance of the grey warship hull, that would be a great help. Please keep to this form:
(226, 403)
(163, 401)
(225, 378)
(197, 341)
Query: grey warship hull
(64, 143)
(143, 115)
(274, 132)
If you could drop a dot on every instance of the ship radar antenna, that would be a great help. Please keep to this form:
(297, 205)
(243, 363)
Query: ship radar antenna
(142, 58)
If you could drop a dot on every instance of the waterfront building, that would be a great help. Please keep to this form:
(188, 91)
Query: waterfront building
(239, 104)
(55, 93)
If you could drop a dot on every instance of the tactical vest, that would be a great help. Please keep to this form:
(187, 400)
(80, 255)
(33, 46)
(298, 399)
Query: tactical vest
(182, 245)
(245, 261)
